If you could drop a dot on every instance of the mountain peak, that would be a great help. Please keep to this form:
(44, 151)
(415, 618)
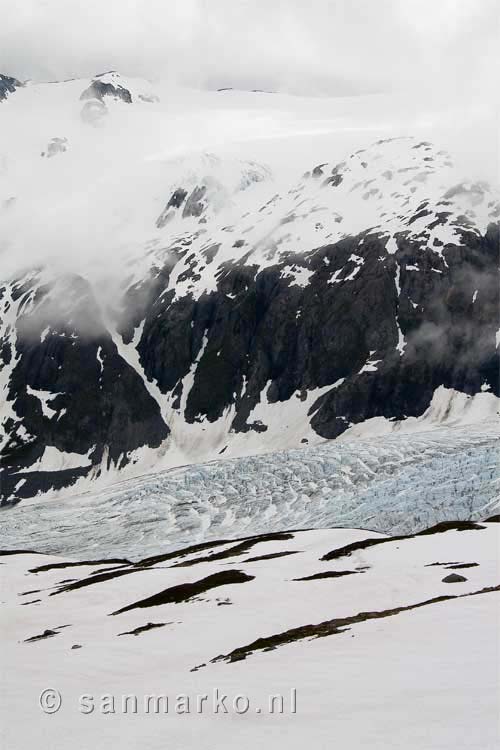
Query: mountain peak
(8, 85)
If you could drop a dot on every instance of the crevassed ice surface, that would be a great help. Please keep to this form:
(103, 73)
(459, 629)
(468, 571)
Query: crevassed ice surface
(395, 484)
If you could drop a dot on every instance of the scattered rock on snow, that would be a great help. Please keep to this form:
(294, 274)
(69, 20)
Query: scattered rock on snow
(454, 578)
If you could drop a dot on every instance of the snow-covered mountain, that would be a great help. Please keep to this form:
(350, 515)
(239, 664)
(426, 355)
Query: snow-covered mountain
(172, 306)
(380, 642)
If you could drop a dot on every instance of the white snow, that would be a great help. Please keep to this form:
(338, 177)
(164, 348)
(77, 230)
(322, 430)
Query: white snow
(54, 459)
(45, 397)
(400, 346)
(425, 677)
(99, 358)
(370, 365)
(448, 407)
(299, 276)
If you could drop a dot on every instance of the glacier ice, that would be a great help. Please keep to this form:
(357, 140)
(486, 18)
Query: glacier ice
(399, 483)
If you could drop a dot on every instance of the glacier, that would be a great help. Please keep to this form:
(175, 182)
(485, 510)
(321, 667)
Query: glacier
(397, 483)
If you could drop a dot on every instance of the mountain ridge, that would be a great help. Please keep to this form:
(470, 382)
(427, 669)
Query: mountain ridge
(352, 293)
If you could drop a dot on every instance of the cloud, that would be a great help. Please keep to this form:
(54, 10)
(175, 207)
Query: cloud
(96, 204)
(322, 46)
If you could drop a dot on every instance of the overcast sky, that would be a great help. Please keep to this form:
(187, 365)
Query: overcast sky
(301, 46)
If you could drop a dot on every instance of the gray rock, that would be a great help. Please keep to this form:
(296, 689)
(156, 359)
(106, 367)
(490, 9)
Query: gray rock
(8, 85)
(454, 578)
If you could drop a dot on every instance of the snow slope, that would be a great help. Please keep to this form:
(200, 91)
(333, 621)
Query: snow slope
(375, 647)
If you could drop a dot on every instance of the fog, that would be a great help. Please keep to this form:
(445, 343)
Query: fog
(346, 73)
(333, 47)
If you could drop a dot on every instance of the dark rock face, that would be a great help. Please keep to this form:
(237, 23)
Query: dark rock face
(100, 89)
(99, 406)
(450, 340)
(176, 200)
(454, 578)
(257, 332)
(8, 85)
(194, 204)
(260, 328)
